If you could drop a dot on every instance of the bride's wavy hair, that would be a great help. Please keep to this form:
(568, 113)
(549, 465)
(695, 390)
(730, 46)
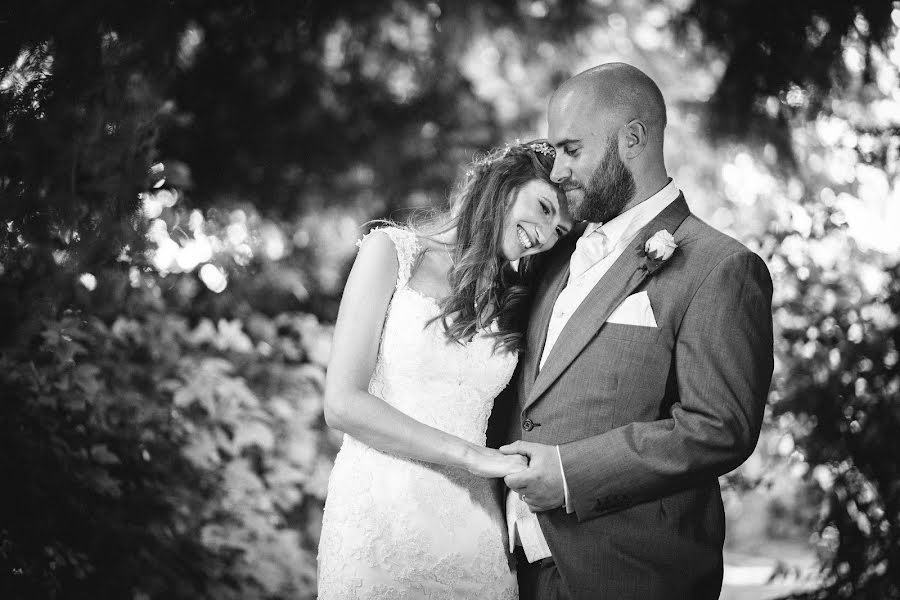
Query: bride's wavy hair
(484, 286)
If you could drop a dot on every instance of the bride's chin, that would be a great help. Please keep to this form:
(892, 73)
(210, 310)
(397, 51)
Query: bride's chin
(510, 251)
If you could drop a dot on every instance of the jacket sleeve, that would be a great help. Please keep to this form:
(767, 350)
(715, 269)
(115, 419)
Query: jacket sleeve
(723, 367)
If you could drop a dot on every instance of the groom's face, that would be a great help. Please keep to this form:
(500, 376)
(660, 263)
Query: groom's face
(608, 190)
(598, 185)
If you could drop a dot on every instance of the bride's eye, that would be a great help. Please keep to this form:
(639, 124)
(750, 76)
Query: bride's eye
(545, 209)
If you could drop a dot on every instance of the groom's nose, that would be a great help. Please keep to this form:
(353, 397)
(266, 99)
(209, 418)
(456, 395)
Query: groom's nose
(560, 171)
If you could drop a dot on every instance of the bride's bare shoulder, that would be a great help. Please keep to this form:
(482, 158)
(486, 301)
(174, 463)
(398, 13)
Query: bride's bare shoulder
(378, 250)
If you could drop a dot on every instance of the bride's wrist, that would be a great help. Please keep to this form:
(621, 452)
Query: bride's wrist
(468, 456)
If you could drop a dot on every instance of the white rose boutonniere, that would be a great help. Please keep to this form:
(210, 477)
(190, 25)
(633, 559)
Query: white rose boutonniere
(658, 249)
(661, 245)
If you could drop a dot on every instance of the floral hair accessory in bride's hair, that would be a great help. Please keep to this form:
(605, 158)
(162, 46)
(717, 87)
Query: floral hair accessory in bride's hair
(541, 147)
(544, 148)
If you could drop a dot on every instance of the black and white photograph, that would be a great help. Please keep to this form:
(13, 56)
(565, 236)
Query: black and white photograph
(434, 300)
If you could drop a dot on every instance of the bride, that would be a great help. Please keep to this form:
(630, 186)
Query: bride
(426, 337)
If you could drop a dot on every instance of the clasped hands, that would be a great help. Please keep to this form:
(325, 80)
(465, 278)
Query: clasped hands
(530, 470)
(540, 484)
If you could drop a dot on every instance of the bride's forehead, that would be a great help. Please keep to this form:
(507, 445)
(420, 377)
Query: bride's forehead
(536, 188)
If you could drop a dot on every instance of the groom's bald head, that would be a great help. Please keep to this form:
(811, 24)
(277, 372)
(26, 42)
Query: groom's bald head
(607, 126)
(613, 91)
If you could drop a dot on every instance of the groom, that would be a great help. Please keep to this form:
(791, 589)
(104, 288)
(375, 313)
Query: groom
(649, 359)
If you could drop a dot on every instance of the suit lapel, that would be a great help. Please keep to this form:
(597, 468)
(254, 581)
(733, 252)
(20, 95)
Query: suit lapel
(545, 298)
(617, 283)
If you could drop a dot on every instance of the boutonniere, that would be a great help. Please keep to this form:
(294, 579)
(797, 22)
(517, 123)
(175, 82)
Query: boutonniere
(657, 250)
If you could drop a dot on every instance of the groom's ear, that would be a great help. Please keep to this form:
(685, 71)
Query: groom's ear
(635, 138)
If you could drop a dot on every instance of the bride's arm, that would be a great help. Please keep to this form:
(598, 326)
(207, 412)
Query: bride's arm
(369, 419)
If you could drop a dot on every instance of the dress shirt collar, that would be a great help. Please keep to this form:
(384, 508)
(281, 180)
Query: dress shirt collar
(623, 227)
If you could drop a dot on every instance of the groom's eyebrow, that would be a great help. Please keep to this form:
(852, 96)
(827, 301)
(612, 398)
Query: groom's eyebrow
(565, 142)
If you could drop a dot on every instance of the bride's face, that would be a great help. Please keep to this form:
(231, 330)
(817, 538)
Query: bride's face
(534, 221)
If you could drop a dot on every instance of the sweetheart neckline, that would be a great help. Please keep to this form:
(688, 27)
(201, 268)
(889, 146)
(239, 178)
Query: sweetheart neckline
(429, 299)
(433, 302)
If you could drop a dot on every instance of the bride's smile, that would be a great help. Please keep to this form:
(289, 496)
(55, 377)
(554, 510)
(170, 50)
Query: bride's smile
(535, 221)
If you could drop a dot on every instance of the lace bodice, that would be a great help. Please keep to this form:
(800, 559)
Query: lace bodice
(415, 358)
(398, 528)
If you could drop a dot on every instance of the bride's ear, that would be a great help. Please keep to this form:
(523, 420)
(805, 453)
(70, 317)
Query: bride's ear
(635, 138)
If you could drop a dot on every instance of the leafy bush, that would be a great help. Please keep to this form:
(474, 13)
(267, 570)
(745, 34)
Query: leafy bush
(840, 380)
(150, 457)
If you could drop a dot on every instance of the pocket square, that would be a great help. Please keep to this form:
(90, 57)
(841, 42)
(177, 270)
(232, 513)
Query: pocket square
(634, 310)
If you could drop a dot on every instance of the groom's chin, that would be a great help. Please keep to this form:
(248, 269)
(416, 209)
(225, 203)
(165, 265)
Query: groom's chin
(576, 199)
(586, 210)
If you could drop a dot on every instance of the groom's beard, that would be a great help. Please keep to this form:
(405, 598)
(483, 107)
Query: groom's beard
(609, 190)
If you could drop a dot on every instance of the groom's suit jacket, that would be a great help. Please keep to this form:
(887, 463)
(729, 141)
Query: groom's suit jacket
(647, 418)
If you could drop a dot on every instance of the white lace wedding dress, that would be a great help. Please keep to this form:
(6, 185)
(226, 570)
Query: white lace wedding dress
(396, 528)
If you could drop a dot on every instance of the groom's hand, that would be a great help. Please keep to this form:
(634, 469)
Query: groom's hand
(541, 483)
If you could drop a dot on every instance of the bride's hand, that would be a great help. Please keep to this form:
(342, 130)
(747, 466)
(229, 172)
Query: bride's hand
(487, 462)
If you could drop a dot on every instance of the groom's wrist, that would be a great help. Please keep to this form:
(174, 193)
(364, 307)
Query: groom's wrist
(566, 504)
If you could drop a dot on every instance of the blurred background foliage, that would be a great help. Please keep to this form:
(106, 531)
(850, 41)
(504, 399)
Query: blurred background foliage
(181, 185)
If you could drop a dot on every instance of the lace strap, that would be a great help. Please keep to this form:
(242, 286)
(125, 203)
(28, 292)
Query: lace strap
(407, 247)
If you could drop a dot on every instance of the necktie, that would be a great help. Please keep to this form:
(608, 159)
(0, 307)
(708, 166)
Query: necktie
(589, 250)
